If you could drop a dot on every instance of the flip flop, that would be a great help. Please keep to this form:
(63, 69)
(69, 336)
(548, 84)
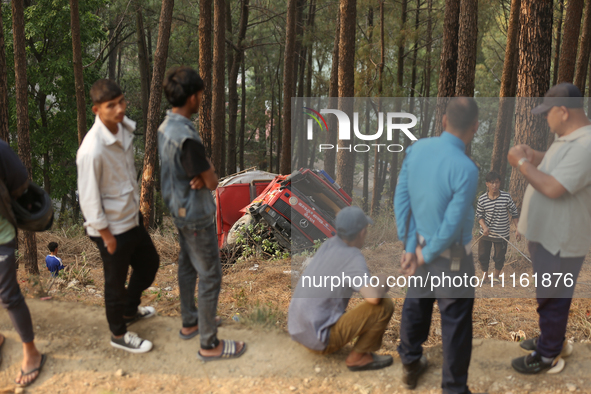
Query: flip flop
(218, 322)
(23, 374)
(378, 362)
(228, 352)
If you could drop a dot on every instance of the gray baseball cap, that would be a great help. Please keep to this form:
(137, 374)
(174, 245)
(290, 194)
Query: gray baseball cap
(351, 220)
(562, 95)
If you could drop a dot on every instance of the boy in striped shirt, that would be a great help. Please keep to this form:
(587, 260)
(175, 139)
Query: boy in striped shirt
(492, 211)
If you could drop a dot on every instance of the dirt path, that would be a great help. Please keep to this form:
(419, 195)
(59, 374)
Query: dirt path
(75, 337)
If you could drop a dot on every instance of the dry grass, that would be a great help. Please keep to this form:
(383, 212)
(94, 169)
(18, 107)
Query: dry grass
(73, 243)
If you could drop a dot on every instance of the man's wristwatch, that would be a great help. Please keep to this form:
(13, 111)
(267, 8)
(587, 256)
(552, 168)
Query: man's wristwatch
(520, 162)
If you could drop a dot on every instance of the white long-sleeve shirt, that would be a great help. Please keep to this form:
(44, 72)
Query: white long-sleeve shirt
(107, 185)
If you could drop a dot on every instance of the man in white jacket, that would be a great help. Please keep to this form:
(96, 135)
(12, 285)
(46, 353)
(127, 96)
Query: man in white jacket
(109, 199)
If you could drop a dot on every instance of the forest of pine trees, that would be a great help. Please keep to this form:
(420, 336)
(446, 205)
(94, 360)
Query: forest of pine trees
(255, 56)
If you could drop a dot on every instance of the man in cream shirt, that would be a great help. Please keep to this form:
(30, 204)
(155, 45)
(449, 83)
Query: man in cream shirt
(109, 199)
(556, 220)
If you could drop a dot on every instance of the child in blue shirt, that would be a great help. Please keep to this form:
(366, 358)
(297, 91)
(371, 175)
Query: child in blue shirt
(54, 263)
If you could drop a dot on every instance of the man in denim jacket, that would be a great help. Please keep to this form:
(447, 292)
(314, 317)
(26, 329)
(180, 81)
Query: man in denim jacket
(187, 178)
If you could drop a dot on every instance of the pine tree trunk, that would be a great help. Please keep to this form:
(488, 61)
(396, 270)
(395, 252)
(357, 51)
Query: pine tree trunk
(399, 93)
(144, 66)
(288, 86)
(467, 40)
(583, 56)
(4, 130)
(301, 140)
(346, 158)
(112, 61)
(78, 76)
(446, 87)
(308, 79)
(299, 33)
(556, 57)
(41, 102)
(272, 125)
(279, 112)
(233, 87)
(413, 76)
(427, 94)
(22, 115)
(570, 41)
(119, 55)
(296, 140)
(154, 113)
(504, 124)
(205, 64)
(242, 114)
(330, 155)
(533, 79)
(378, 182)
(229, 162)
(368, 84)
(218, 110)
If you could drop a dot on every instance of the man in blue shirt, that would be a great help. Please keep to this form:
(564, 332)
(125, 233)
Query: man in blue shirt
(53, 263)
(434, 216)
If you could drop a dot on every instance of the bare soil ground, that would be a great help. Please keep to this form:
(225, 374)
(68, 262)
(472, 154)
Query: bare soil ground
(75, 337)
(72, 329)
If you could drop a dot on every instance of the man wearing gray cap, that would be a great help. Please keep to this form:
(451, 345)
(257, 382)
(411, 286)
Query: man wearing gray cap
(317, 318)
(556, 220)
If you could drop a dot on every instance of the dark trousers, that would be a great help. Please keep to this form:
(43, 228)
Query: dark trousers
(456, 324)
(11, 297)
(553, 301)
(135, 249)
(484, 248)
(200, 256)
(456, 333)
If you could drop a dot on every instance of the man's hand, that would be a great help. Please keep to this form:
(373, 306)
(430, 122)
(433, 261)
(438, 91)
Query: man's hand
(529, 152)
(109, 240)
(197, 182)
(420, 258)
(485, 230)
(408, 264)
(110, 244)
(517, 236)
(374, 295)
(515, 154)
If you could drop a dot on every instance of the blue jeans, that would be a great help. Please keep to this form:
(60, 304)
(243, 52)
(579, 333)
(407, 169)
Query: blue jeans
(200, 255)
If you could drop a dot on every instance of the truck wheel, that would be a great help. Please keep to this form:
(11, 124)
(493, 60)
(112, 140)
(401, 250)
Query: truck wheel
(238, 228)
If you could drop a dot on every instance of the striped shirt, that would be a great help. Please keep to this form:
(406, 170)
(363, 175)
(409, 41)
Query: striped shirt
(496, 213)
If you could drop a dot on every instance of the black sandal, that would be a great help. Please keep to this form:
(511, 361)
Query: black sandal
(229, 351)
(23, 374)
(378, 362)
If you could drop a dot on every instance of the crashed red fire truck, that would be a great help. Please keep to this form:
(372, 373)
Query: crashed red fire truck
(298, 209)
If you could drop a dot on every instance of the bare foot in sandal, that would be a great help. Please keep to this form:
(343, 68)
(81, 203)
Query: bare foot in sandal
(226, 349)
(31, 366)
